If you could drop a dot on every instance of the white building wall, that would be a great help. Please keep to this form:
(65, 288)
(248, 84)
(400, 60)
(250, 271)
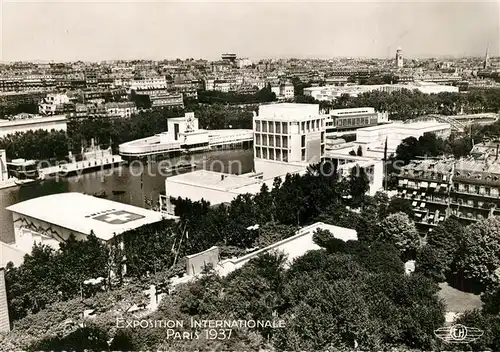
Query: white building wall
(198, 192)
(58, 123)
(28, 231)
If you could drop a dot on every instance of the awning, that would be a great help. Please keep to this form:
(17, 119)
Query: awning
(404, 191)
(431, 216)
(418, 215)
(441, 218)
(414, 204)
(423, 194)
(433, 185)
(424, 184)
(422, 205)
(414, 193)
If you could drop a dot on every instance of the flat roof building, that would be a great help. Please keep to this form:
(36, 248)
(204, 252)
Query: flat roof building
(217, 187)
(52, 219)
(56, 122)
(372, 139)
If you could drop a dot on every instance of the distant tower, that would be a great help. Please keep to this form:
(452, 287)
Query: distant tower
(486, 63)
(399, 58)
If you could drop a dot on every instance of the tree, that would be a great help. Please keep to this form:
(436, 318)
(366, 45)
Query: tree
(431, 263)
(359, 184)
(327, 240)
(479, 255)
(400, 231)
(399, 205)
(47, 276)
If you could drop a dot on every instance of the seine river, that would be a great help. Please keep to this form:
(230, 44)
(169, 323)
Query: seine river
(124, 178)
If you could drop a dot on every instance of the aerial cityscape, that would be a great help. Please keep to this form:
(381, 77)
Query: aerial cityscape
(268, 176)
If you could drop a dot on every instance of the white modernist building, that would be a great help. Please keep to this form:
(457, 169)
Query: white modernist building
(329, 93)
(183, 134)
(372, 139)
(289, 133)
(52, 219)
(374, 168)
(56, 122)
(287, 138)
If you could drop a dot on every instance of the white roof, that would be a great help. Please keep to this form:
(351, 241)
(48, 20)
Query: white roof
(293, 247)
(288, 111)
(83, 213)
(212, 179)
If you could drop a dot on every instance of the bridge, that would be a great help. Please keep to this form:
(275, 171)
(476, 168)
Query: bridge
(455, 124)
(205, 140)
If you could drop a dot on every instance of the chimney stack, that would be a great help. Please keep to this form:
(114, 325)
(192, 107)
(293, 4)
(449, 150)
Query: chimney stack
(496, 155)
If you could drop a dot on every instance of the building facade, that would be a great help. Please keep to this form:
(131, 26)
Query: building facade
(467, 189)
(53, 104)
(347, 120)
(57, 122)
(122, 110)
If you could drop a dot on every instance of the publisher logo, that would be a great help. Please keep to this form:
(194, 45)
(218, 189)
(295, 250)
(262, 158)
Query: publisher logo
(458, 334)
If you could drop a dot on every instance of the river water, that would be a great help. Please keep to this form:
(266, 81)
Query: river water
(124, 178)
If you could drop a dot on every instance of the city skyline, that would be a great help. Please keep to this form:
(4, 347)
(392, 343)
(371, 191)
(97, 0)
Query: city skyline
(170, 30)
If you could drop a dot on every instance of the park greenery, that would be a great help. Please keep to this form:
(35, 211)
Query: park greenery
(408, 104)
(48, 145)
(263, 95)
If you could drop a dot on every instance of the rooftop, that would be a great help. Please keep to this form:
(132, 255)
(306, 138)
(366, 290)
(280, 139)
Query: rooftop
(83, 213)
(288, 111)
(407, 126)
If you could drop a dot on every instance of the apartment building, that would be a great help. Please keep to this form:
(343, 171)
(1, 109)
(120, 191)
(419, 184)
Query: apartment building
(123, 110)
(290, 133)
(287, 91)
(161, 100)
(468, 189)
(53, 104)
(346, 120)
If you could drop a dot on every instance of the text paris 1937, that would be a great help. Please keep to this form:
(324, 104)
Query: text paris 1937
(208, 334)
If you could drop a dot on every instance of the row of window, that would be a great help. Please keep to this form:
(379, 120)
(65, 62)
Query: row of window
(271, 140)
(309, 126)
(482, 190)
(272, 154)
(282, 127)
(472, 203)
(458, 187)
(428, 175)
(271, 126)
(353, 121)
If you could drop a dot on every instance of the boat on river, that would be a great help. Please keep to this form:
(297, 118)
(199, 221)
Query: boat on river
(28, 181)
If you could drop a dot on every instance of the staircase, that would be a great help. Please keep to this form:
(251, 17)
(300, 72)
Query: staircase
(4, 309)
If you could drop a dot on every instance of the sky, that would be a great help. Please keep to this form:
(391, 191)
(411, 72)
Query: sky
(109, 30)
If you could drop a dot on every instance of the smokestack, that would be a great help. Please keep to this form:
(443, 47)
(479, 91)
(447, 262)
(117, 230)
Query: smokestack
(496, 155)
(4, 308)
